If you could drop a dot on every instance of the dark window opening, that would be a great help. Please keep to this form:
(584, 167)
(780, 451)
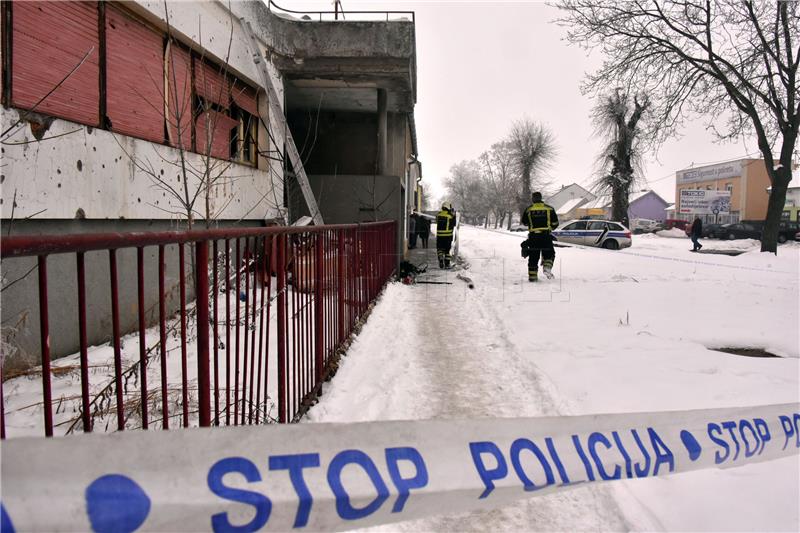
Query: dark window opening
(244, 137)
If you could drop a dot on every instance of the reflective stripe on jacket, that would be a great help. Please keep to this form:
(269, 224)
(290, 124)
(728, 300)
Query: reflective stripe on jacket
(445, 221)
(541, 218)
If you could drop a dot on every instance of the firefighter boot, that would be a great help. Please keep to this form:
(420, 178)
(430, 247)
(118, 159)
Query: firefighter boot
(547, 268)
(533, 275)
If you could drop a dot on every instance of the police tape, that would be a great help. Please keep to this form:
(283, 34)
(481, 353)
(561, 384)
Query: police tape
(343, 476)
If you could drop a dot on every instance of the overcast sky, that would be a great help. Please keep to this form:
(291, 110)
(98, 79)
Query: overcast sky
(482, 65)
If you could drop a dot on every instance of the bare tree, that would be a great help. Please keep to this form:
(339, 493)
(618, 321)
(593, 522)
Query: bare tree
(501, 180)
(618, 119)
(724, 58)
(199, 177)
(533, 148)
(466, 190)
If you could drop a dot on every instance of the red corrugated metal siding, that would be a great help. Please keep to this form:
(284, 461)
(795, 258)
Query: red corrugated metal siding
(179, 81)
(221, 125)
(134, 77)
(245, 97)
(211, 84)
(49, 40)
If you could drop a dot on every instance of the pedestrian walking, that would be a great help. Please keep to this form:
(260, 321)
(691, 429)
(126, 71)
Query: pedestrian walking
(697, 232)
(412, 231)
(424, 230)
(445, 225)
(541, 220)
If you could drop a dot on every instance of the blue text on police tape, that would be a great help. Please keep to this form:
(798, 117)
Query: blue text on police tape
(538, 464)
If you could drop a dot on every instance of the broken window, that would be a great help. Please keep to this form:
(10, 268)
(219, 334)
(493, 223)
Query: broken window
(212, 106)
(213, 130)
(244, 139)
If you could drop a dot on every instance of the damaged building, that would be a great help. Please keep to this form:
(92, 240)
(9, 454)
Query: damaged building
(153, 116)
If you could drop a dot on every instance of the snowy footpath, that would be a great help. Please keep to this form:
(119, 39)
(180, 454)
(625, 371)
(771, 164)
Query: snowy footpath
(616, 332)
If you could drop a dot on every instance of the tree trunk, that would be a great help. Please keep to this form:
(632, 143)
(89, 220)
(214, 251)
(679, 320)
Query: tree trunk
(777, 201)
(769, 237)
(780, 179)
(508, 223)
(619, 205)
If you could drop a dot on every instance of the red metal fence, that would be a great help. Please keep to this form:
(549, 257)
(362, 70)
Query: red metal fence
(297, 295)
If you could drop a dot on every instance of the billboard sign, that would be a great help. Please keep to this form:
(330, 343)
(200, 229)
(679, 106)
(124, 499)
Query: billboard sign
(702, 202)
(714, 172)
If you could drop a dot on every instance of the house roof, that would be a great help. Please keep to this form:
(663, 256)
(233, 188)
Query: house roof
(567, 193)
(569, 205)
(641, 194)
(605, 201)
(599, 203)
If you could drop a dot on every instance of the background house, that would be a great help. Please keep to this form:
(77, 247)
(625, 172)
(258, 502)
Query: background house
(642, 204)
(647, 204)
(568, 194)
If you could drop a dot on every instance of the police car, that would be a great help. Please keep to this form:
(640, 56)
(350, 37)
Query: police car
(601, 233)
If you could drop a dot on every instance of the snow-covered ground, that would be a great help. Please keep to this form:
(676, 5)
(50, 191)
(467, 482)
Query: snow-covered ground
(617, 331)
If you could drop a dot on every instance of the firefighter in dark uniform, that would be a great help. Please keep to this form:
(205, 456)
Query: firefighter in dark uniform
(445, 224)
(541, 220)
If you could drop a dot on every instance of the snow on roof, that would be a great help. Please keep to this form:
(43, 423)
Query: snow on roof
(569, 205)
(599, 203)
(635, 196)
(567, 193)
(605, 201)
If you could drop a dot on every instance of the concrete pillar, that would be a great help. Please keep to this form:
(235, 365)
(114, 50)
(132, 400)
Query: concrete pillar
(382, 133)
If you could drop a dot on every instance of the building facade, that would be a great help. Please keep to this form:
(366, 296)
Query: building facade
(746, 179)
(146, 116)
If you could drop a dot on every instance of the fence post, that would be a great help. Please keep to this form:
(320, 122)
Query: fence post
(281, 275)
(340, 286)
(112, 261)
(319, 309)
(201, 294)
(44, 327)
(142, 335)
(86, 415)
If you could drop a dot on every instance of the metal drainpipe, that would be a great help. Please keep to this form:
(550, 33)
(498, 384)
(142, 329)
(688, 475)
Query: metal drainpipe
(413, 160)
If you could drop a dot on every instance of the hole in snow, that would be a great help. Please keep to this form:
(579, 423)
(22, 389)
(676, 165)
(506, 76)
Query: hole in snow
(747, 352)
(732, 253)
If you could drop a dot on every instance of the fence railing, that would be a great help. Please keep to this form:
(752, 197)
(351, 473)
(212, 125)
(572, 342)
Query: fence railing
(339, 13)
(274, 307)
